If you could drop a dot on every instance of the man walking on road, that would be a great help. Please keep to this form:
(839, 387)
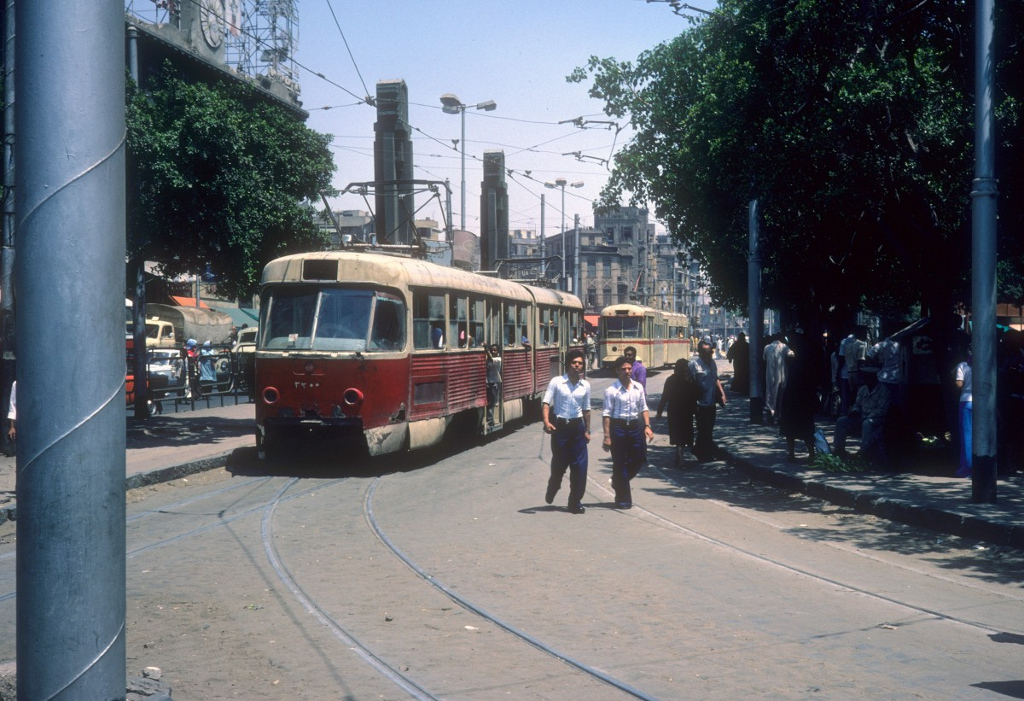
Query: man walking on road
(566, 413)
(627, 427)
(705, 373)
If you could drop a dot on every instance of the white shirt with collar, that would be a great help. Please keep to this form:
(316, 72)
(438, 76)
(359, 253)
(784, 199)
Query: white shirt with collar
(623, 403)
(568, 401)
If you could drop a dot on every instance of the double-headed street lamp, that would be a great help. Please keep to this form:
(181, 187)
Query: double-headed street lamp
(453, 105)
(561, 183)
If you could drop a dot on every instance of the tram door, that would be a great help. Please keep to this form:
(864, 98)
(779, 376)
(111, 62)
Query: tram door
(494, 414)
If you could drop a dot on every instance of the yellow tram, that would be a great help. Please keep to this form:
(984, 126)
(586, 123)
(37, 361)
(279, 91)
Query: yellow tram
(660, 337)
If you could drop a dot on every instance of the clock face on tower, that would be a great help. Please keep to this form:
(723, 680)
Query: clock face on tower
(211, 21)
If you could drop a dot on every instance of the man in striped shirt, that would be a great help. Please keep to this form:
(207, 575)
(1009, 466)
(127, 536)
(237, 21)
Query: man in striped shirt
(566, 412)
(627, 427)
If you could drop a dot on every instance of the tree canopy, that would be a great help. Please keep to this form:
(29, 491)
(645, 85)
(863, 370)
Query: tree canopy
(220, 177)
(851, 123)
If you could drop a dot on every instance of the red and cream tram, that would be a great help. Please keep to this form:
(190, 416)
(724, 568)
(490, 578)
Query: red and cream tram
(390, 351)
(660, 338)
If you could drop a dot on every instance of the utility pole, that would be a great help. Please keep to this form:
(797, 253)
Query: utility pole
(983, 281)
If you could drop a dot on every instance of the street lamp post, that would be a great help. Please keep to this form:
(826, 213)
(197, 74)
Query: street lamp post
(453, 105)
(561, 183)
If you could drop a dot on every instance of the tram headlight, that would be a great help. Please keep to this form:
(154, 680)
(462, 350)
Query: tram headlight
(352, 397)
(271, 395)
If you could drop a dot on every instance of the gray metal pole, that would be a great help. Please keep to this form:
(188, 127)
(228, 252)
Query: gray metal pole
(462, 109)
(138, 262)
(576, 258)
(543, 263)
(70, 232)
(7, 253)
(448, 203)
(755, 313)
(983, 285)
(565, 282)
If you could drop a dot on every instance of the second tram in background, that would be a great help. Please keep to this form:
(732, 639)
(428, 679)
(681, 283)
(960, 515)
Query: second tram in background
(389, 352)
(660, 337)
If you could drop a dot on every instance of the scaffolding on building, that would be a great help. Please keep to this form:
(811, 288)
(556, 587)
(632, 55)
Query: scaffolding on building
(263, 36)
(260, 36)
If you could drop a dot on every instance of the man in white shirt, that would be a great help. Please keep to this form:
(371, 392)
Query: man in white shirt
(627, 425)
(566, 413)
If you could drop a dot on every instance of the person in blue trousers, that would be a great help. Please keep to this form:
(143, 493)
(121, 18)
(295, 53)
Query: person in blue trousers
(627, 428)
(566, 413)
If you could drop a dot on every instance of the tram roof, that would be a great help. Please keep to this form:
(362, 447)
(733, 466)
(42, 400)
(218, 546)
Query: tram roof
(637, 310)
(402, 271)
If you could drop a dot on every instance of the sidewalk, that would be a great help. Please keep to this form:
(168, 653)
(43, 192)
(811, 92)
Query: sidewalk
(166, 447)
(939, 503)
(171, 446)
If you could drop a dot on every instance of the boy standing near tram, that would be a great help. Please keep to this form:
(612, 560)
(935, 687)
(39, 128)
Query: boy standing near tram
(566, 413)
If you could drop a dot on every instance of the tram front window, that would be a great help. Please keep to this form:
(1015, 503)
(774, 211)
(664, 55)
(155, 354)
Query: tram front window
(342, 320)
(621, 327)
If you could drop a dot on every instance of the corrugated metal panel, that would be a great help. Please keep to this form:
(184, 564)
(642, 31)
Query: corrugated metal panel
(462, 378)
(516, 374)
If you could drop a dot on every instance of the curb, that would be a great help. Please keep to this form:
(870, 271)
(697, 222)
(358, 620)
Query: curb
(145, 479)
(950, 523)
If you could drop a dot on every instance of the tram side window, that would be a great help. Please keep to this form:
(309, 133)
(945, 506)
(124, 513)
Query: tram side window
(289, 321)
(553, 336)
(458, 314)
(510, 325)
(524, 324)
(388, 324)
(428, 320)
(574, 324)
(545, 326)
(476, 323)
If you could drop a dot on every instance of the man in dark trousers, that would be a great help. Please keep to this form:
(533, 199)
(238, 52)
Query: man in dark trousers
(739, 355)
(705, 374)
(627, 427)
(566, 413)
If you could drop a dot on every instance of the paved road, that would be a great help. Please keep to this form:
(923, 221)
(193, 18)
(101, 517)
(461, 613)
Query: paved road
(446, 576)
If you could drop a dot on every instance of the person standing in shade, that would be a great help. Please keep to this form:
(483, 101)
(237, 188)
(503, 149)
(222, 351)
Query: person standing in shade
(704, 372)
(566, 413)
(800, 396)
(638, 373)
(493, 381)
(627, 428)
(775, 375)
(680, 396)
(739, 355)
(963, 383)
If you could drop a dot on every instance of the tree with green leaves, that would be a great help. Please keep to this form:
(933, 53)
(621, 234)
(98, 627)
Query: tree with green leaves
(851, 123)
(220, 176)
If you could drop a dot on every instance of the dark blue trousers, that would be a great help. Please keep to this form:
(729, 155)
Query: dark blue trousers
(628, 456)
(569, 451)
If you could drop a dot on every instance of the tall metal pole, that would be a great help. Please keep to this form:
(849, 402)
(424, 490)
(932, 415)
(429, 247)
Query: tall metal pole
(543, 253)
(7, 254)
(576, 257)
(755, 313)
(983, 285)
(70, 232)
(565, 282)
(138, 262)
(462, 112)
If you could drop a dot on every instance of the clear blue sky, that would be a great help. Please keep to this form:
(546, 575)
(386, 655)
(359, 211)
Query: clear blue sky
(515, 53)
